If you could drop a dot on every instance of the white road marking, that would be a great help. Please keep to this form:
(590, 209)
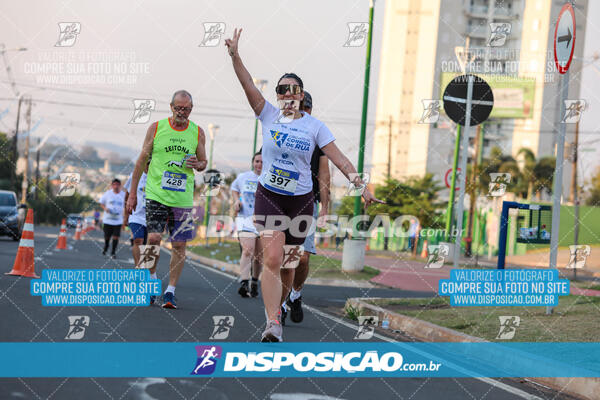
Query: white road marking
(513, 390)
(301, 396)
(493, 382)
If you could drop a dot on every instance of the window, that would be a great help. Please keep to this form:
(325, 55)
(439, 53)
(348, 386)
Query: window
(7, 199)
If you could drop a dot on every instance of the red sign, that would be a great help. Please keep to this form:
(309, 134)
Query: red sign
(448, 182)
(564, 38)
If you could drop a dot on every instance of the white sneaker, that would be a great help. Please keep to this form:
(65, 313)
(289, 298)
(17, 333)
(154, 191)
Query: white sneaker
(273, 332)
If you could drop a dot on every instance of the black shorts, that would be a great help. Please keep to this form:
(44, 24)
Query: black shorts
(111, 230)
(178, 220)
(268, 203)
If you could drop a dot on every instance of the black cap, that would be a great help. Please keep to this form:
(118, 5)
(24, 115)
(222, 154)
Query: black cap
(307, 100)
(116, 181)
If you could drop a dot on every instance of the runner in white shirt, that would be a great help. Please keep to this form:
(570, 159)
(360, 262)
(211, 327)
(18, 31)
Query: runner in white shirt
(112, 202)
(137, 220)
(285, 185)
(243, 190)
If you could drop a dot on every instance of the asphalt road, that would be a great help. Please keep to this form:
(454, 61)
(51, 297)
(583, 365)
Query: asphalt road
(203, 292)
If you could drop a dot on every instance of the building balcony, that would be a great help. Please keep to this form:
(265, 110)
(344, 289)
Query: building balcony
(504, 13)
(477, 31)
(477, 10)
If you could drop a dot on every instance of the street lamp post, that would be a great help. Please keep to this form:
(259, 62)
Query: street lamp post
(212, 131)
(354, 250)
(260, 84)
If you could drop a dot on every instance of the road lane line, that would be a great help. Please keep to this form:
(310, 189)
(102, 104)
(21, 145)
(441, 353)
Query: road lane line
(503, 386)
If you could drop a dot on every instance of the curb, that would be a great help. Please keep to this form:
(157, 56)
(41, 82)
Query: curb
(234, 269)
(587, 388)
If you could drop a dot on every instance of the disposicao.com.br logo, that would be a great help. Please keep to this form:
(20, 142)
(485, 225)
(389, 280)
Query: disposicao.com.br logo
(287, 363)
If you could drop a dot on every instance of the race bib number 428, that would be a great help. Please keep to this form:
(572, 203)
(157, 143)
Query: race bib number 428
(173, 181)
(282, 181)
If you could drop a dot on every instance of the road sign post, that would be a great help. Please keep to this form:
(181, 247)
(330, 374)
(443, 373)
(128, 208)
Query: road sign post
(467, 106)
(564, 46)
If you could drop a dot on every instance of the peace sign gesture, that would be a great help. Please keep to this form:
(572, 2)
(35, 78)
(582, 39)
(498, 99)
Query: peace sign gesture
(232, 43)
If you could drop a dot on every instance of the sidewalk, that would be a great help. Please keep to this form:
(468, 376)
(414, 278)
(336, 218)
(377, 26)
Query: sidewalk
(403, 273)
(400, 272)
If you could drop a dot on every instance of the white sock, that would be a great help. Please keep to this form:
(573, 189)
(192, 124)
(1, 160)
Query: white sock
(153, 276)
(170, 289)
(294, 295)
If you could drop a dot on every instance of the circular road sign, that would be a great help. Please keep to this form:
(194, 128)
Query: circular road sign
(455, 100)
(564, 38)
(449, 181)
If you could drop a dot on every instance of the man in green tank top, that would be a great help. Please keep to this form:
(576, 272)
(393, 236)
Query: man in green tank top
(177, 148)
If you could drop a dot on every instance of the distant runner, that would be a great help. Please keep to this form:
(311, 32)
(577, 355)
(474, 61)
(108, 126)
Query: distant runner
(243, 190)
(177, 148)
(137, 220)
(112, 202)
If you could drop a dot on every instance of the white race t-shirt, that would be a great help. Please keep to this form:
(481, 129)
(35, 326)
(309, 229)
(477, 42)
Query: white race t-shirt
(139, 214)
(114, 203)
(246, 184)
(287, 150)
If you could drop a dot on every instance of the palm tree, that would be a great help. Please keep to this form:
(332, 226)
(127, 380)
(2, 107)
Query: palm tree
(544, 173)
(528, 168)
(498, 162)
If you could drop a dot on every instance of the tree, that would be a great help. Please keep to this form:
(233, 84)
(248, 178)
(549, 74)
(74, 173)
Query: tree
(528, 168)
(593, 193)
(414, 196)
(544, 174)
(7, 167)
(497, 163)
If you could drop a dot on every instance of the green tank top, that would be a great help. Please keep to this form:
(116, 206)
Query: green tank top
(169, 181)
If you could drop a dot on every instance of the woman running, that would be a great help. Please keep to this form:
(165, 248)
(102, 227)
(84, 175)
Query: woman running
(285, 184)
(243, 190)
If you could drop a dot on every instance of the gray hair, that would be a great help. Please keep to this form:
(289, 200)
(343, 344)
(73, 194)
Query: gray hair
(182, 92)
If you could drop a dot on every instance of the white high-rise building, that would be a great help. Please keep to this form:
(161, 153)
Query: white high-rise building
(418, 46)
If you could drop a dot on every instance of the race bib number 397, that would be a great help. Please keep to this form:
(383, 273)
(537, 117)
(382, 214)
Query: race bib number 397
(282, 180)
(173, 181)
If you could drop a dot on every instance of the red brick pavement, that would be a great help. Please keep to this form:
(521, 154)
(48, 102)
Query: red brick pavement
(406, 274)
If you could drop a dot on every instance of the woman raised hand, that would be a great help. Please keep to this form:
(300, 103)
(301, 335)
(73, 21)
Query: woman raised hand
(232, 44)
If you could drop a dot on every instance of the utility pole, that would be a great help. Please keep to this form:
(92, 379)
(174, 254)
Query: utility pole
(212, 131)
(260, 84)
(37, 168)
(24, 185)
(473, 194)
(386, 234)
(574, 193)
(353, 258)
(389, 164)
(15, 151)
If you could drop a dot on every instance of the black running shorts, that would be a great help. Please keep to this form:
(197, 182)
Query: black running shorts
(111, 230)
(298, 209)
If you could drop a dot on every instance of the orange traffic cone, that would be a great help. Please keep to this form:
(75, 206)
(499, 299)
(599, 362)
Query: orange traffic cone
(78, 232)
(88, 227)
(23, 265)
(62, 236)
(424, 252)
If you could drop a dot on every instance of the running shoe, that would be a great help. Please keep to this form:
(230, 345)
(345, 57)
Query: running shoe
(113, 256)
(152, 300)
(296, 313)
(103, 252)
(273, 332)
(243, 290)
(254, 289)
(283, 315)
(169, 300)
